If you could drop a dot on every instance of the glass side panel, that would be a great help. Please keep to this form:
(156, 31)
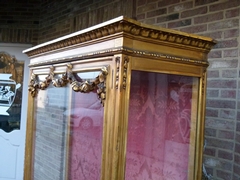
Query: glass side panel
(51, 133)
(161, 110)
(68, 141)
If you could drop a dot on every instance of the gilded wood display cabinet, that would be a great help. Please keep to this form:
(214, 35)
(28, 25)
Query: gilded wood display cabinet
(120, 100)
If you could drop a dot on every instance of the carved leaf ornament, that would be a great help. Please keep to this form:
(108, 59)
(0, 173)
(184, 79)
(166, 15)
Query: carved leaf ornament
(70, 77)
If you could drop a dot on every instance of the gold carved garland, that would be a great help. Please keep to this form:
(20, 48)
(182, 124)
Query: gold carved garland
(98, 83)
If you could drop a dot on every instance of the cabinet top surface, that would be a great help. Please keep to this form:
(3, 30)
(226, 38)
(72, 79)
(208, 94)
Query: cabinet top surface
(125, 26)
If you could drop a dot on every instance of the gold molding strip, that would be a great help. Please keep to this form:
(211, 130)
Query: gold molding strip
(203, 81)
(126, 50)
(124, 74)
(125, 67)
(117, 71)
(98, 83)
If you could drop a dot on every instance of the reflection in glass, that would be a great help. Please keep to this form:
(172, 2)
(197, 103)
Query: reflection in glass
(68, 137)
(51, 133)
(160, 113)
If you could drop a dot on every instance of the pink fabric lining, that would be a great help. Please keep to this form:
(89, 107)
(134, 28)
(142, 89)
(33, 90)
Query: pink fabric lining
(158, 127)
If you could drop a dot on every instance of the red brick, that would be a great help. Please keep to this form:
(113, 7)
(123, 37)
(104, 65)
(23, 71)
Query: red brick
(210, 132)
(210, 151)
(211, 113)
(180, 7)
(215, 54)
(164, 25)
(214, 35)
(231, 33)
(203, 2)
(223, 134)
(216, 103)
(227, 114)
(150, 1)
(238, 127)
(232, 13)
(213, 74)
(238, 115)
(225, 155)
(141, 16)
(141, 2)
(21, 9)
(235, 177)
(223, 63)
(237, 138)
(185, 22)
(224, 24)
(222, 83)
(230, 94)
(219, 123)
(232, 73)
(224, 175)
(217, 143)
(167, 2)
(209, 170)
(150, 21)
(237, 148)
(226, 43)
(156, 12)
(195, 29)
(194, 12)
(224, 5)
(208, 18)
(236, 169)
(230, 53)
(146, 8)
(237, 158)
(226, 165)
(212, 93)
(168, 18)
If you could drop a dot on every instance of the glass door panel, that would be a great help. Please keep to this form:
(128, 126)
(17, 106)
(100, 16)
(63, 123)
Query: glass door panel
(68, 134)
(86, 137)
(162, 109)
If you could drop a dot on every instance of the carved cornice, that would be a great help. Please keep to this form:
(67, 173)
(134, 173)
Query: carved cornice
(126, 26)
(69, 76)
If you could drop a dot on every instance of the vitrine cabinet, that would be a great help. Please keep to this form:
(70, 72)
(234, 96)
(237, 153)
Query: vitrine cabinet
(120, 100)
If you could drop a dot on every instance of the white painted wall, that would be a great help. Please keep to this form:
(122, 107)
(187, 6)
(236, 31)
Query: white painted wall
(12, 145)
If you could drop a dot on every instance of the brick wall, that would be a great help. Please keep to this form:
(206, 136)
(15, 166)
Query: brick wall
(63, 17)
(19, 21)
(43, 20)
(218, 19)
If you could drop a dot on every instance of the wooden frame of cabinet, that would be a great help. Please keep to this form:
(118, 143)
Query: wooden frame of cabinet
(123, 45)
